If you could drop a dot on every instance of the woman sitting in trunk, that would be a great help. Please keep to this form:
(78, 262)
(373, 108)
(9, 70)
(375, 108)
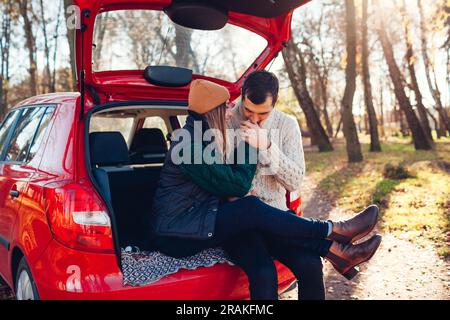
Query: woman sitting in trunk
(192, 209)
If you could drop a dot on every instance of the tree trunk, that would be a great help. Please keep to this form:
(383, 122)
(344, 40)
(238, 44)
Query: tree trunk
(5, 43)
(447, 49)
(55, 48)
(382, 129)
(326, 117)
(366, 124)
(315, 96)
(30, 44)
(338, 128)
(368, 98)
(101, 24)
(322, 82)
(428, 69)
(185, 56)
(436, 124)
(442, 125)
(322, 86)
(410, 60)
(403, 128)
(420, 139)
(312, 139)
(71, 41)
(420, 107)
(395, 115)
(295, 66)
(353, 146)
(46, 83)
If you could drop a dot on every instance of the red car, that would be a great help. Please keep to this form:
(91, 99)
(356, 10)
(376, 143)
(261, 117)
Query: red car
(65, 211)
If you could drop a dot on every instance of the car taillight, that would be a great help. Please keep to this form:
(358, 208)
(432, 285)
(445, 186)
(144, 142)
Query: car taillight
(78, 218)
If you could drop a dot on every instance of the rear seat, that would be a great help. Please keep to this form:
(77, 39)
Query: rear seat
(130, 190)
(149, 146)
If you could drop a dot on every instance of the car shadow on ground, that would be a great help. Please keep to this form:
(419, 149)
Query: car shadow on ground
(5, 292)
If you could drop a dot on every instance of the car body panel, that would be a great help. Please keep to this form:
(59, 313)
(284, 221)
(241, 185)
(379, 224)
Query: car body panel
(61, 145)
(12, 177)
(63, 273)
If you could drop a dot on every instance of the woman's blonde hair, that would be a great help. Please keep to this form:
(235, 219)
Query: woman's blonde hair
(216, 119)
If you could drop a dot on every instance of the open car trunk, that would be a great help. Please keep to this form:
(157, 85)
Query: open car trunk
(127, 178)
(126, 156)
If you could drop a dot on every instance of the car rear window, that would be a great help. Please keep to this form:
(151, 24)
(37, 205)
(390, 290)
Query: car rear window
(23, 134)
(6, 128)
(134, 39)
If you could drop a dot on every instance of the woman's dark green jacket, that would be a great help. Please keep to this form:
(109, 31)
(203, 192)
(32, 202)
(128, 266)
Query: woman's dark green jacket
(188, 195)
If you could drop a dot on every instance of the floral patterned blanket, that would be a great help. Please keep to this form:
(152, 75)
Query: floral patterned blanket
(141, 268)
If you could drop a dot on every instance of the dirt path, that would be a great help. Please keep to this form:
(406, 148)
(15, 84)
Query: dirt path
(399, 270)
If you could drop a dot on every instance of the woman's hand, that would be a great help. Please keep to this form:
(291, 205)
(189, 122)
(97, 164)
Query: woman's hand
(255, 136)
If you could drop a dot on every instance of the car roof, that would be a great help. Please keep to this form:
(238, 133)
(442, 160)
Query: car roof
(50, 98)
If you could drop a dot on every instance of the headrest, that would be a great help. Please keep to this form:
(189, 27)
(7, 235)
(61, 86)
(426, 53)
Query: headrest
(150, 140)
(108, 149)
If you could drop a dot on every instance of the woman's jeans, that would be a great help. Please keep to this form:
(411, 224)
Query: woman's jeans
(250, 215)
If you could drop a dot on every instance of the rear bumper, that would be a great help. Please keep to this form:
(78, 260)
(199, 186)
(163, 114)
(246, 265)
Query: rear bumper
(62, 273)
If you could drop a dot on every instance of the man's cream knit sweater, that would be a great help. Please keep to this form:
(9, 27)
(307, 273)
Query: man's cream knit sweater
(282, 166)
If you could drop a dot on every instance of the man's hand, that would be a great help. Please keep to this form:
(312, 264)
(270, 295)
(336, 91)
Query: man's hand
(255, 136)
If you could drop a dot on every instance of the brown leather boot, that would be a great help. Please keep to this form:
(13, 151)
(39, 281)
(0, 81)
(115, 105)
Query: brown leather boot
(345, 257)
(355, 228)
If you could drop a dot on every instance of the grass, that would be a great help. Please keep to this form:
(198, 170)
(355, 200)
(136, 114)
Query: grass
(382, 191)
(416, 208)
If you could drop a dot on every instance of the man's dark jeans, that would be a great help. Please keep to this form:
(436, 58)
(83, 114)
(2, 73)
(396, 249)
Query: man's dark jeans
(242, 219)
(255, 254)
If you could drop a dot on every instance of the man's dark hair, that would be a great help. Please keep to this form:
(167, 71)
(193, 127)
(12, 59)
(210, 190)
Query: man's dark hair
(259, 85)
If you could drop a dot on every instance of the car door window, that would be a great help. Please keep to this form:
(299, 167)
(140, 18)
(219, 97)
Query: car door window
(40, 133)
(6, 129)
(23, 134)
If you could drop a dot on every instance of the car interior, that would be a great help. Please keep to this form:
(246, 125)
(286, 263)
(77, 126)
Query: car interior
(126, 164)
